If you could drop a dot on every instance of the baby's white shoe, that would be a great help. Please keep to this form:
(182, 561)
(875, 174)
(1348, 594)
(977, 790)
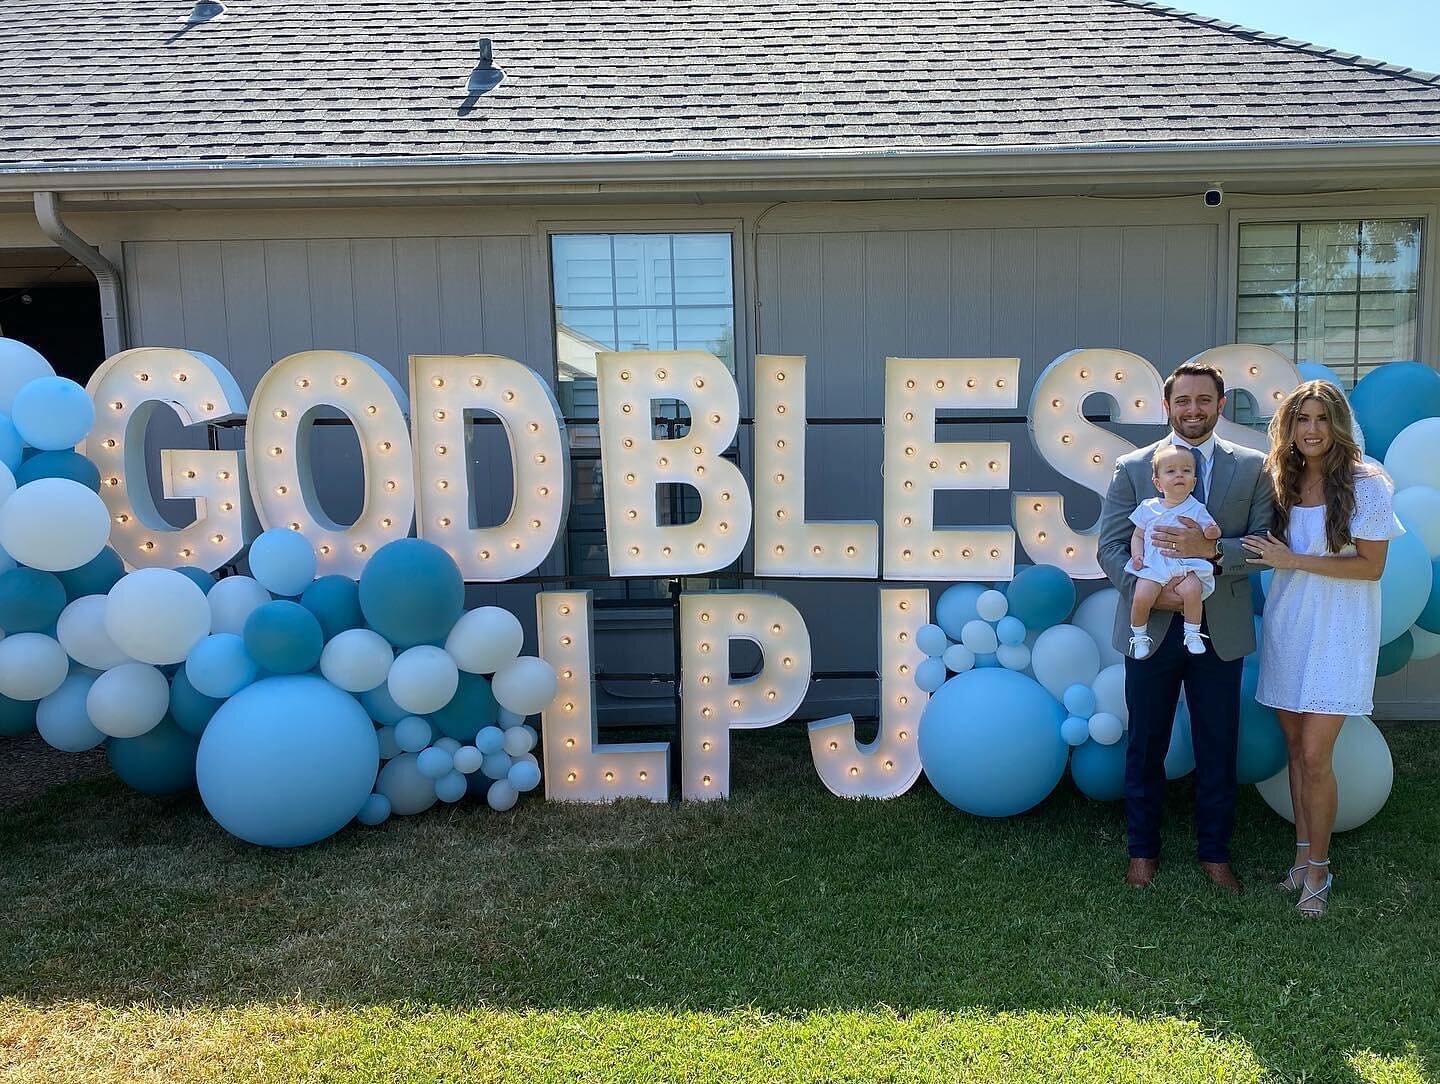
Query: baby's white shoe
(1140, 646)
(1195, 641)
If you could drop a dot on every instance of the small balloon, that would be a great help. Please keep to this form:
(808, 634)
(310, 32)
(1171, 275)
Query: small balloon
(219, 666)
(490, 739)
(357, 660)
(413, 734)
(52, 413)
(992, 606)
(282, 561)
(930, 674)
(232, 601)
(283, 637)
(502, 796)
(452, 787)
(434, 763)
(485, 639)
(496, 766)
(376, 810)
(468, 759)
(524, 775)
(1105, 728)
(519, 740)
(1075, 730)
(1079, 700)
(959, 658)
(1010, 630)
(1013, 656)
(979, 636)
(62, 719)
(931, 639)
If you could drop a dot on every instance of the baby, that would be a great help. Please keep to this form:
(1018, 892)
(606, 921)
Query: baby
(1194, 577)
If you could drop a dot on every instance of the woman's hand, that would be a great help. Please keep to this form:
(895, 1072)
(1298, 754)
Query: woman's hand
(1269, 550)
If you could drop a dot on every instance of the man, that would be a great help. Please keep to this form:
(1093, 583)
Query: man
(1232, 484)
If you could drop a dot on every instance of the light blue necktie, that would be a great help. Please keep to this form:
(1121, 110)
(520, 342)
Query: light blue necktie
(1199, 474)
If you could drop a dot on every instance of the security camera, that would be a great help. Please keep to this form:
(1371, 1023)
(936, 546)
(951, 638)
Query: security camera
(1214, 196)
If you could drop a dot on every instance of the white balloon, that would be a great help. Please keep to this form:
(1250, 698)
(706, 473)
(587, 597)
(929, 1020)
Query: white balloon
(1413, 458)
(1364, 773)
(1419, 509)
(979, 636)
(1105, 728)
(485, 639)
(129, 700)
(992, 606)
(519, 740)
(1013, 656)
(32, 666)
(357, 660)
(1427, 644)
(157, 615)
(959, 658)
(1109, 690)
(1096, 615)
(81, 632)
(525, 686)
(232, 600)
(423, 679)
(19, 364)
(54, 524)
(1064, 655)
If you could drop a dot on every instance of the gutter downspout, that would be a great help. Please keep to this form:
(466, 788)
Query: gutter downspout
(112, 289)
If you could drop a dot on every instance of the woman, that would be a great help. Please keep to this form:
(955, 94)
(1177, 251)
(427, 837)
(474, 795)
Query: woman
(1332, 525)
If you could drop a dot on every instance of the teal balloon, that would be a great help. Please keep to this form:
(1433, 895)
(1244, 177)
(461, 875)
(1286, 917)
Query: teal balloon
(930, 674)
(95, 577)
(191, 709)
(160, 761)
(1429, 618)
(335, 602)
(472, 708)
(411, 592)
(1011, 630)
(283, 637)
(287, 761)
(12, 444)
(381, 706)
(1405, 585)
(413, 733)
(1392, 396)
(30, 600)
(52, 412)
(956, 607)
(1080, 700)
(1041, 596)
(1099, 770)
(198, 576)
(63, 464)
(1395, 655)
(17, 717)
(1260, 748)
(990, 742)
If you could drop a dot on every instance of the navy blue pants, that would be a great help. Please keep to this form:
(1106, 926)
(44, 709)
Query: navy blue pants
(1152, 691)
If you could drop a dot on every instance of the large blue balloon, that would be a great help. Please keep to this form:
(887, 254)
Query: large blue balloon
(160, 761)
(990, 742)
(956, 607)
(472, 708)
(30, 600)
(1395, 654)
(287, 761)
(1405, 585)
(1041, 596)
(411, 592)
(52, 412)
(1390, 397)
(191, 709)
(1099, 770)
(1260, 750)
(283, 637)
(95, 577)
(17, 717)
(335, 602)
(65, 464)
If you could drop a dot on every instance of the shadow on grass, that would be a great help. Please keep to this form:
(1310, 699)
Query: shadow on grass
(784, 900)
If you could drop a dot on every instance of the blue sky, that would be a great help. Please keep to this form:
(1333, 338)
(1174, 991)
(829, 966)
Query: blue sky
(1401, 31)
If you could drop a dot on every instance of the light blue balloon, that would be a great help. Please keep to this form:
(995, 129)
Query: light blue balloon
(408, 790)
(931, 639)
(1395, 654)
(979, 636)
(524, 775)
(507, 718)
(449, 744)
(389, 747)
(452, 787)
(412, 733)
(376, 810)
(52, 413)
(468, 759)
(1075, 730)
(160, 761)
(490, 739)
(1099, 770)
(956, 607)
(1390, 397)
(1405, 585)
(61, 717)
(990, 742)
(1041, 596)
(287, 761)
(1011, 630)
(930, 674)
(1313, 370)
(283, 561)
(434, 763)
(495, 765)
(1080, 700)
(411, 592)
(12, 444)
(959, 658)
(219, 666)
(382, 707)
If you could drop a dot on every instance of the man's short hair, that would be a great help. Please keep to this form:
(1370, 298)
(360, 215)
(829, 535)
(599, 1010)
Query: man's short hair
(1192, 368)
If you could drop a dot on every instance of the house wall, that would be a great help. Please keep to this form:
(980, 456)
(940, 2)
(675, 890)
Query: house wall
(847, 284)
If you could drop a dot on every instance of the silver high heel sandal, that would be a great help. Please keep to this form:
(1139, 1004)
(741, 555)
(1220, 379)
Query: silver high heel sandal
(1314, 901)
(1292, 883)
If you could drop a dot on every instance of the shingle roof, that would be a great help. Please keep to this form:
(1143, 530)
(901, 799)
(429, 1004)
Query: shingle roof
(106, 81)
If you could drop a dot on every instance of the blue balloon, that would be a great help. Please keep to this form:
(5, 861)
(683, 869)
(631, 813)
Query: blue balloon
(52, 413)
(382, 707)
(1041, 596)
(524, 775)
(452, 787)
(335, 602)
(283, 561)
(472, 707)
(219, 666)
(1075, 730)
(62, 720)
(283, 637)
(1260, 750)
(191, 710)
(411, 592)
(1395, 655)
(412, 734)
(495, 766)
(931, 640)
(930, 674)
(1257, 594)
(17, 717)
(1405, 585)
(1390, 397)
(1429, 618)
(12, 445)
(287, 761)
(956, 607)
(160, 761)
(408, 791)
(990, 742)
(1180, 757)
(65, 464)
(434, 763)
(987, 661)
(376, 810)
(1080, 700)
(95, 577)
(1099, 770)
(1011, 630)
(1313, 370)
(490, 739)
(30, 600)
(198, 576)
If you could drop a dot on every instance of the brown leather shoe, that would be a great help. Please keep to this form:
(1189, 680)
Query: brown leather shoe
(1222, 876)
(1141, 872)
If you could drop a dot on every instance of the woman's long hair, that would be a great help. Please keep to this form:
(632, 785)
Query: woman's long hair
(1286, 464)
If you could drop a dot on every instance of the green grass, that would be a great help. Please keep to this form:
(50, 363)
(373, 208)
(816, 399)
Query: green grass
(783, 935)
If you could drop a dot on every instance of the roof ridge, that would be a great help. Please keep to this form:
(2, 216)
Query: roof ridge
(1354, 60)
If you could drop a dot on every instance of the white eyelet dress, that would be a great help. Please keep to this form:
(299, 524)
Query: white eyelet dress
(1321, 634)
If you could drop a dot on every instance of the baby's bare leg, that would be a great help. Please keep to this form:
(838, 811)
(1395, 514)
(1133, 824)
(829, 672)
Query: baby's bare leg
(1146, 592)
(1189, 590)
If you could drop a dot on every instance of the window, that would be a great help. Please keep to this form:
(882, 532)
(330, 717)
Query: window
(1345, 294)
(631, 291)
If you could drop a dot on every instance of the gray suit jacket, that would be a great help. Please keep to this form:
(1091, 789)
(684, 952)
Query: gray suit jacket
(1240, 499)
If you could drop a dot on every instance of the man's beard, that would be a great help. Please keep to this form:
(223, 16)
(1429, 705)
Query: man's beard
(1194, 431)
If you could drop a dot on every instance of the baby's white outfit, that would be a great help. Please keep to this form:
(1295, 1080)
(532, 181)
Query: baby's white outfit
(1159, 565)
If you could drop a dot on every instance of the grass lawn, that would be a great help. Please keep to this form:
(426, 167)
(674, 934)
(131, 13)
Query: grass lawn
(783, 935)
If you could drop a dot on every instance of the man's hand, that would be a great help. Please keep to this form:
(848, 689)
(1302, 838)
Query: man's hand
(1186, 541)
(1169, 598)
